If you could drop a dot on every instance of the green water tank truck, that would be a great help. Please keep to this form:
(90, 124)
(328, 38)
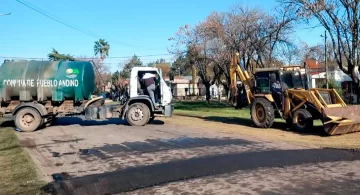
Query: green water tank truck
(34, 93)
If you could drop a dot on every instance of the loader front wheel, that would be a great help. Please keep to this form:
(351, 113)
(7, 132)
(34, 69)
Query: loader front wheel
(302, 120)
(262, 113)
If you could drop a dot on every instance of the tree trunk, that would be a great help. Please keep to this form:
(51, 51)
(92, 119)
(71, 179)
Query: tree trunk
(227, 89)
(357, 93)
(219, 92)
(207, 89)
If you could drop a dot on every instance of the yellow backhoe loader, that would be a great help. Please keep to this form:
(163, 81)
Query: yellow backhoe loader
(284, 93)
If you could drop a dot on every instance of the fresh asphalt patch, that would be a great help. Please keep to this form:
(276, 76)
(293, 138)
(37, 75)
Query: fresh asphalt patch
(147, 176)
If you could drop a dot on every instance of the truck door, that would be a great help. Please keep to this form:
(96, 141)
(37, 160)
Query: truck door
(165, 90)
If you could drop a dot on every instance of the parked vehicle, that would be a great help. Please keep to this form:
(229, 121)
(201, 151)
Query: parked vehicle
(36, 92)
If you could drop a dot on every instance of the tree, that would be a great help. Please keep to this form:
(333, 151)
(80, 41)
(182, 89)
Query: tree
(115, 76)
(194, 44)
(290, 54)
(101, 48)
(133, 62)
(161, 64)
(340, 18)
(165, 68)
(181, 66)
(55, 56)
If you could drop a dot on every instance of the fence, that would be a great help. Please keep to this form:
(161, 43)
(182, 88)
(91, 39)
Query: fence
(181, 92)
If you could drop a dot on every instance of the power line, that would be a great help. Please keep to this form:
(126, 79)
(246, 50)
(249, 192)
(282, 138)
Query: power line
(114, 57)
(72, 26)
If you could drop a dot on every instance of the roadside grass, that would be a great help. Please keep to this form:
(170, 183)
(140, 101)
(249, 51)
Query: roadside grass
(18, 172)
(215, 108)
(228, 119)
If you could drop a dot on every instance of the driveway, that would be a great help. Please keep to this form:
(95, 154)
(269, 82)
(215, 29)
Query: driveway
(170, 157)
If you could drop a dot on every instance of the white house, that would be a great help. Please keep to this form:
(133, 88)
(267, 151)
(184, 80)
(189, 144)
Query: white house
(338, 75)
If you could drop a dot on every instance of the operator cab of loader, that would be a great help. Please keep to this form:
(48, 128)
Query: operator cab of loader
(273, 82)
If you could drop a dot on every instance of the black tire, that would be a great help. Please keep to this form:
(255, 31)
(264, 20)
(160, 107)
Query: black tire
(262, 113)
(302, 120)
(151, 119)
(28, 119)
(138, 114)
(289, 122)
(51, 121)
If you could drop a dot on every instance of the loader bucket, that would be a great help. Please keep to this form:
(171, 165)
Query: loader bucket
(341, 120)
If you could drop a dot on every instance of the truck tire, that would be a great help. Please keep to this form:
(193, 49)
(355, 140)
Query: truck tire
(28, 119)
(302, 120)
(262, 113)
(138, 114)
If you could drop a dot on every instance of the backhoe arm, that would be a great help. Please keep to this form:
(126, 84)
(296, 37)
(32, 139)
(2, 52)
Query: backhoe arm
(237, 70)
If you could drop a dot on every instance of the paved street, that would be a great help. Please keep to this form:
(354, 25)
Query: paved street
(109, 157)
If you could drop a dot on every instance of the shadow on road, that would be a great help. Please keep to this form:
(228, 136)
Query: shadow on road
(147, 176)
(156, 145)
(66, 121)
(317, 130)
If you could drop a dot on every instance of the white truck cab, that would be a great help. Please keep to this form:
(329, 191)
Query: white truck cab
(163, 90)
(139, 108)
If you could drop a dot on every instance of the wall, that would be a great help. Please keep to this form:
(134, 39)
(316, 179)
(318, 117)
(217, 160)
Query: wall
(179, 89)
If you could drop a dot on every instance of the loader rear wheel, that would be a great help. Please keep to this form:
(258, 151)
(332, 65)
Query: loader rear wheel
(302, 120)
(262, 113)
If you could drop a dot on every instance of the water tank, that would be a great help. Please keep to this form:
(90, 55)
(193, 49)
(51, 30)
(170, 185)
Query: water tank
(46, 80)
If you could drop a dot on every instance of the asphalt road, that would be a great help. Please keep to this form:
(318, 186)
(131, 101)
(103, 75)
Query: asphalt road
(109, 157)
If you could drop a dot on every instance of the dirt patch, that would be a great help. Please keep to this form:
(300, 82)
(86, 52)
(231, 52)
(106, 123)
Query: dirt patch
(314, 138)
(27, 143)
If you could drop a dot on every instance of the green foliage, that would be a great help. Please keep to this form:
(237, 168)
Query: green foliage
(101, 48)
(158, 61)
(333, 85)
(181, 66)
(133, 62)
(115, 76)
(56, 56)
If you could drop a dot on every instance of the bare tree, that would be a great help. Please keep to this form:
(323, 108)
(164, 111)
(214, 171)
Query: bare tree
(193, 43)
(289, 53)
(252, 32)
(340, 18)
(101, 70)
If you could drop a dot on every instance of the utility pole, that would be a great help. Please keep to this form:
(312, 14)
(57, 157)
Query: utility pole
(326, 66)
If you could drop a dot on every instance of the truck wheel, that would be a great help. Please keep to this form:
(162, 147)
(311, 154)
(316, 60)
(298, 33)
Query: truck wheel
(138, 114)
(302, 120)
(28, 119)
(262, 113)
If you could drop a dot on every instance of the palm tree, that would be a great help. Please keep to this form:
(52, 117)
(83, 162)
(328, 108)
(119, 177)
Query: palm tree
(56, 56)
(101, 47)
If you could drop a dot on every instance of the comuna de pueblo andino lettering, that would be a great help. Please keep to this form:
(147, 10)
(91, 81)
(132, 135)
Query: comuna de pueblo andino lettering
(41, 83)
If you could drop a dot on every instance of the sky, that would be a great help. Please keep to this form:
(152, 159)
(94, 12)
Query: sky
(131, 27)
